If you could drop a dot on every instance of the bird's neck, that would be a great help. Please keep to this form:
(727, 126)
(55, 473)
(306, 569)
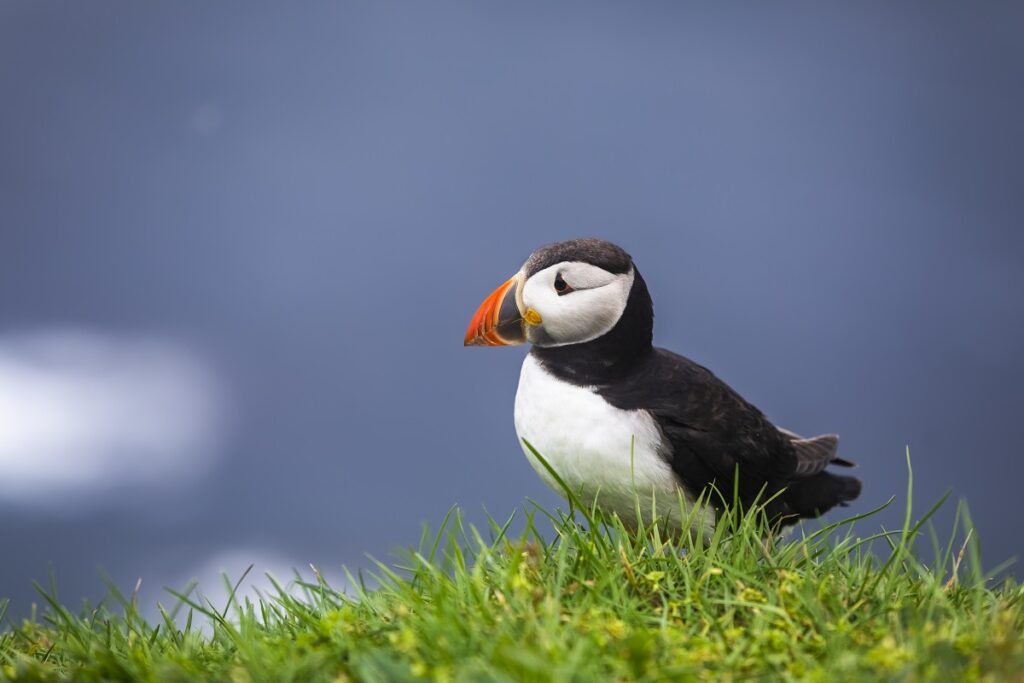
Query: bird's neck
(612, 355)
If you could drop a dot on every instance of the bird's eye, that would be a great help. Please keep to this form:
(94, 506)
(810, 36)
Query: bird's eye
(561, 286)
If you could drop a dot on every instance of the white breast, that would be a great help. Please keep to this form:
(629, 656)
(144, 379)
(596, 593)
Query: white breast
(588, 442)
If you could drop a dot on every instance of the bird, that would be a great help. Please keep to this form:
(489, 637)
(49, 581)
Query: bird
(633, 428)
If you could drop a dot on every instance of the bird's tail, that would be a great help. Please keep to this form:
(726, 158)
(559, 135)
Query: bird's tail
(820, 493)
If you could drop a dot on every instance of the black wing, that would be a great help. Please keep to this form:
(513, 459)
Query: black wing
(713, 433)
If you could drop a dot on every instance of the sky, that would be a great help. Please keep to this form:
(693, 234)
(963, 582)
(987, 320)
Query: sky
(240, 244)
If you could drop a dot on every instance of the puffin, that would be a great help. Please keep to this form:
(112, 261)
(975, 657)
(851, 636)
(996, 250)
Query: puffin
(633, 428)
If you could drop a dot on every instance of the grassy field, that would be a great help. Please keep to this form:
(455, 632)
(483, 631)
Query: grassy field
(576, 597)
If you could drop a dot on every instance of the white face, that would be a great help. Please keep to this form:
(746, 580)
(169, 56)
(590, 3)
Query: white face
(577, 302)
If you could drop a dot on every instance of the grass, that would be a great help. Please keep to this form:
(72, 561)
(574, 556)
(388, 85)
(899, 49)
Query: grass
(576, 597)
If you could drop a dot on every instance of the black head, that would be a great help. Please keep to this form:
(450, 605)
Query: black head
(628, 341)
(581, 303)
(600, 253)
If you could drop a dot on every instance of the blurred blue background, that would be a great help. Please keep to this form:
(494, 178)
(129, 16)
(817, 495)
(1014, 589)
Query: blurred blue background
(240, 243)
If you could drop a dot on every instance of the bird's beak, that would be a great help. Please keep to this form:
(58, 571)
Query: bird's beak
(499, 320)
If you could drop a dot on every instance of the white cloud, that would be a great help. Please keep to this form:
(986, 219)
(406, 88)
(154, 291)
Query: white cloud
(208, 577)
(83, 412)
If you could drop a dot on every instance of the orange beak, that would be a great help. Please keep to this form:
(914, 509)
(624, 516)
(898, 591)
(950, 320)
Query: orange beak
(498, 321)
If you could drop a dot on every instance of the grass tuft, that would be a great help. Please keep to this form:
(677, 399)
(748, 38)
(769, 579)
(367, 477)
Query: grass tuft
(574, 596)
